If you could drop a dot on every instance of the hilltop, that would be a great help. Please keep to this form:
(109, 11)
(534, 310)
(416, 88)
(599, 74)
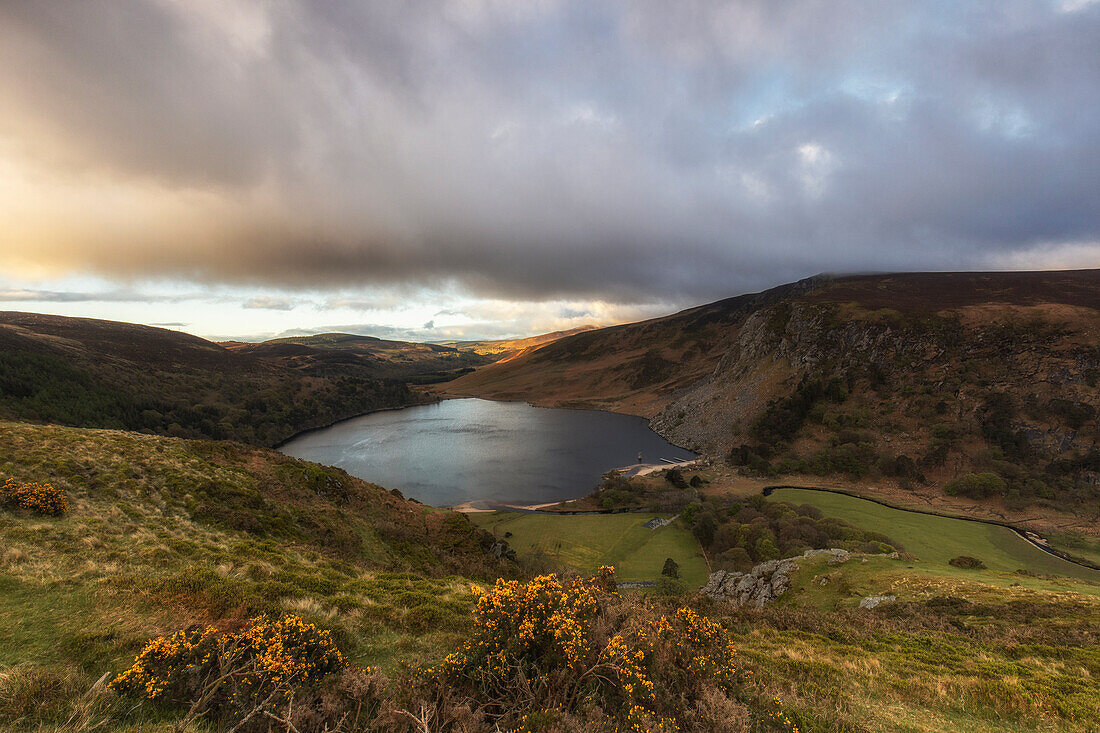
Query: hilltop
(94, 373)
(367, 356)
(904, 382)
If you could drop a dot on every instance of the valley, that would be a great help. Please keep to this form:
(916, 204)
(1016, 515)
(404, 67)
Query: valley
(910, 389)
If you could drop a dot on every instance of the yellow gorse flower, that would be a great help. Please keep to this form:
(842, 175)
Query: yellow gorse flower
(267, 655)
(546, 628)
(40, 498)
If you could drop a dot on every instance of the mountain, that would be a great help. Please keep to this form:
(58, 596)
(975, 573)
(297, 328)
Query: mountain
(916, 382)
(95, 373)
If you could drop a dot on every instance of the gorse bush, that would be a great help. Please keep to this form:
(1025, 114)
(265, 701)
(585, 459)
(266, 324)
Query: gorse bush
(965, 561)
(551, 654)
(232, 674)
(36, 497)
(571, 655)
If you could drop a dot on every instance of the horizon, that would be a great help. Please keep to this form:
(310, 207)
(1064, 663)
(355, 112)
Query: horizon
(484, 170)
(410, 336)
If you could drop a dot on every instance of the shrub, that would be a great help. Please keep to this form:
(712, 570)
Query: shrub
(704, 527)
(965, 561)
(671, 568)
(553, 654)
(766, 549)
(975, 485)
(229, 673)
(36, 497)
(676, 478)
(735, 558)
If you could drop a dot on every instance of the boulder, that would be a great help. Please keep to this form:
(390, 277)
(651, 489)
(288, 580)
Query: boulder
(872, 601)
(838, 556)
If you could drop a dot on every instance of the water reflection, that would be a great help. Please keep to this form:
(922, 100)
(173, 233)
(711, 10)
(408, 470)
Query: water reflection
(470, 450)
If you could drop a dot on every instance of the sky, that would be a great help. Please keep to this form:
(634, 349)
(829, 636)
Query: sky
(494, 168)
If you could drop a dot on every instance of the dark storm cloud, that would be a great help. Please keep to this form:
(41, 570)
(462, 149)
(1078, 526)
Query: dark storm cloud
(536, 150)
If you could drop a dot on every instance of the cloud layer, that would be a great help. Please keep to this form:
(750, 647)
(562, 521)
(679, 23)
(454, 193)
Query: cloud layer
(629, 152)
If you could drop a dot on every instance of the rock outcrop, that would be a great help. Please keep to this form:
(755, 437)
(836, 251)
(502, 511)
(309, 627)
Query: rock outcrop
(872, 601)
(765, 582)
(838, 556)
(761, 585)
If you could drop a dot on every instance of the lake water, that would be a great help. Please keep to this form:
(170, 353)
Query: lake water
(478, 450)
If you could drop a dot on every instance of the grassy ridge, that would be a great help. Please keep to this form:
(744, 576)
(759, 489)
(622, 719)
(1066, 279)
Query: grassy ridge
(938, 539)
(344, 354)
(585, 542)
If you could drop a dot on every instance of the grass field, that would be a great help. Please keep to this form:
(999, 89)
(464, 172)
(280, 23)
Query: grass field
(587, 541)
(938, 539)
(1075, 543)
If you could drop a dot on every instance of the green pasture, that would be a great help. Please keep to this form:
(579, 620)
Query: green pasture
(938, 539)
(587, 541)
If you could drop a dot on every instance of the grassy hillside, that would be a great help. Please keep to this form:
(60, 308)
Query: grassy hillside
(960, 650)
(586, 542)
(163, 533)
(508, 349)
(417, 363)
(92, 373)
(901, 381)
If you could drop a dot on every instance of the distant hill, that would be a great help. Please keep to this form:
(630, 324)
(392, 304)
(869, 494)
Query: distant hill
(366, 356)
(95, 373)
(912, 380)
(508, 349)
(416, 363)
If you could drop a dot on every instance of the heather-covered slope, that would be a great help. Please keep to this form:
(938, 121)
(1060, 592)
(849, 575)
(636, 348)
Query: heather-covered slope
(93, 373)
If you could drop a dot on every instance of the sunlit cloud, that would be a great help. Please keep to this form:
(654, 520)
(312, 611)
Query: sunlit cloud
(266, 302)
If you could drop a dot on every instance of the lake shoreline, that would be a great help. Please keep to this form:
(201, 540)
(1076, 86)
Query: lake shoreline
(356, 416)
